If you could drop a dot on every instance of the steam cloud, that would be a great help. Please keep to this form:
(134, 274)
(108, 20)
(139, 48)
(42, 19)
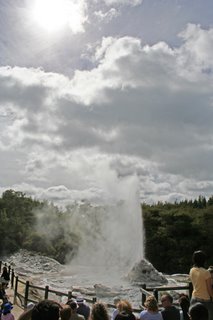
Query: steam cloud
(111, 232)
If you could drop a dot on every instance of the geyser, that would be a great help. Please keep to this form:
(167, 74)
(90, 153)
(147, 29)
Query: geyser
(111, 233)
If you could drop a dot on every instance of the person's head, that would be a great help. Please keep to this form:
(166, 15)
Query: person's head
(116, 300)
(26, 315)
(70, 300)
(65, 313)
(4, 269)
(199, 258)
(166, 300)
(151, 304)
(99, 312)
(7, 308)
(124, 305)
(73, 305)
(198, 312)
(46, 310)
(184, 302)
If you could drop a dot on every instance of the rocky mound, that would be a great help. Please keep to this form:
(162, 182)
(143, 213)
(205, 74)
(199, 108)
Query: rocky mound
(144, 272)
(26, 262)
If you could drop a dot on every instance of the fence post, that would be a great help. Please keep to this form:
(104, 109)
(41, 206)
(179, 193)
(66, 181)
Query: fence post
(27, 285)
(190, 289)
(143, 298)
(69, 295)
(16, 289)
(12, 278)
(155, 293)
(46, 292)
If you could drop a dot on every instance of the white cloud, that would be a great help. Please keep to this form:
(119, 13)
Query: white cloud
(123, 2)
(143, 109)
(107, 16)
(195, 54)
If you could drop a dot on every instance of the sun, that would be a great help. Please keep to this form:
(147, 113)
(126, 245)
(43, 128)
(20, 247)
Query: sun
(54, 15)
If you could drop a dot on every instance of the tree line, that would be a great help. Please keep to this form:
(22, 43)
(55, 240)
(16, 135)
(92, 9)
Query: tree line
(172, 230)
(35, 226)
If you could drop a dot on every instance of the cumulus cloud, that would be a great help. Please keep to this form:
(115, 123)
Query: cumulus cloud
(195, 57)
(106, 16)
(123, 2)
(142, 109)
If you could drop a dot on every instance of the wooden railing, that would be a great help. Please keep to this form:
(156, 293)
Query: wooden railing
(155, 291)
(47, 292)
(25, 297)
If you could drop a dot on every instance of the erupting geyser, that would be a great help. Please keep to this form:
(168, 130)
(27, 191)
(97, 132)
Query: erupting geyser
(111, 233)
(110, 254)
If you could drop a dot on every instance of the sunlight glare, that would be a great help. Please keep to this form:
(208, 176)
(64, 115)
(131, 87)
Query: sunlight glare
(53, 15)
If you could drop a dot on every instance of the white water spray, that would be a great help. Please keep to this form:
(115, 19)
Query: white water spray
(111, 234)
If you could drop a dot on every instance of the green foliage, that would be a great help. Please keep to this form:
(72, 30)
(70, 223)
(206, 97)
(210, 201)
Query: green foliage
(174, 231)
(34, 225)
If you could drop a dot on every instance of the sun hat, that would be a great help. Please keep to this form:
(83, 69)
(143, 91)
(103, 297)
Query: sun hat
(7, 307)
(80, 300)
(30, 305)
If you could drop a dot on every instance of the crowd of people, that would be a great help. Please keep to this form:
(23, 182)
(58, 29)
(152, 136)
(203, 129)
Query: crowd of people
(199, 307)
(52, 310)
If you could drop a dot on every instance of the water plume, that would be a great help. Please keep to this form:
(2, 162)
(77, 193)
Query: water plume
(111, 233)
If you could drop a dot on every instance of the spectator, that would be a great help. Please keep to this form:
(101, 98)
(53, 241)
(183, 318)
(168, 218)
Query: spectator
(65, 313)
(99, 312)
(46, 310)
(125, 311)
(5, 276)
(184, 304)
(74, 315)
(6, 312)
(169, 311)
(83, 308)
(123, 315)
(3, 295)
(151, 312)
(198, 312)
(26, 315)
(115, 311)
(201, 281)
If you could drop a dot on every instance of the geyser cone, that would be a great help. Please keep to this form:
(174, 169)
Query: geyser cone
(144, 272)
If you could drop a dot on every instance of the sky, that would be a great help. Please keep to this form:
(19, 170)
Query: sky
(98, 96)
